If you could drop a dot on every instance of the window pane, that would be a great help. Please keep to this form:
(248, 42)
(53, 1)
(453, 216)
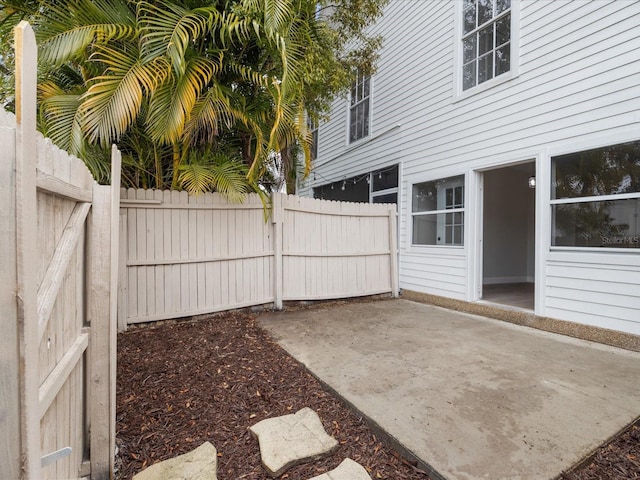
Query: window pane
(503, 59)
(436, 230)
(425, 197)
(502, 5)
(424, 230)
(365, 119)
(503, 30)
(602, 171)
(469, 75)
(437, 194)
(485, 11)
(485, 40)
(449, 200)
(388, 198)
(448, 235)
(457, 235)
(386, 178)
(469, 51)
(458, 197)
(597, 224)
(469, 17)
(314, 144)
(485, 68)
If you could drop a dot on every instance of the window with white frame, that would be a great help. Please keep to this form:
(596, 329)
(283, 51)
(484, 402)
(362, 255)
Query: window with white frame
(360, 107)
(595, 198)
(486, 40)
(437, 211)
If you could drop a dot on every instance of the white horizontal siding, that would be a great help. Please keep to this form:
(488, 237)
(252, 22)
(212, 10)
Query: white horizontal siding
(577, 86)
(593, 288)
(439, 271)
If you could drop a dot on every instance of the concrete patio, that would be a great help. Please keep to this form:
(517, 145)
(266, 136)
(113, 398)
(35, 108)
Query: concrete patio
(470, 397)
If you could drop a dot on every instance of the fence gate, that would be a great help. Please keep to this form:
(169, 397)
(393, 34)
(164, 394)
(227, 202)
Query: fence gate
(58, 341)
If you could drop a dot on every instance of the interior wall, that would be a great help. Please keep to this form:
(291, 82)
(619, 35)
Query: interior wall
(509, 225)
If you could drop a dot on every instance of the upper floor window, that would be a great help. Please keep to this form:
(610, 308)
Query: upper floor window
(486, 40)
(313, 147)
(359, 108)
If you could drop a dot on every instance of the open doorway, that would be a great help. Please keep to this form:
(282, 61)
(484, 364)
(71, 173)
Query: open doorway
(508, 253)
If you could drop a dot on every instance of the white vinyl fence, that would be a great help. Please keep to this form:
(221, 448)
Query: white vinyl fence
(58, 279)
(184, 255)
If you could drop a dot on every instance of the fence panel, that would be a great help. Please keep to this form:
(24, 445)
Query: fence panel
(50, 300)
(336, 249)
(186, 255)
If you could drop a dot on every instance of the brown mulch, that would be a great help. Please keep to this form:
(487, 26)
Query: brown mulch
(617, 459)
(180, 384)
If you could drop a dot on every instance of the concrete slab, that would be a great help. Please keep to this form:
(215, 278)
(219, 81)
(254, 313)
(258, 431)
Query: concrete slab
(347, 470)
(291, 440)
(469, 396)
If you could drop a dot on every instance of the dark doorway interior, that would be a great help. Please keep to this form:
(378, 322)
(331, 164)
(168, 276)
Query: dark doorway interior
(509, 236)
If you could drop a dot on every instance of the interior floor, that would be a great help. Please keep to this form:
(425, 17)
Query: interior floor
(514, 294)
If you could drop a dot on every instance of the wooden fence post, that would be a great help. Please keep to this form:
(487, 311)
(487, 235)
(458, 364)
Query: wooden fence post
(26, 233)
(277, 217)
(393, 246)
(9, 352)
(102, 306)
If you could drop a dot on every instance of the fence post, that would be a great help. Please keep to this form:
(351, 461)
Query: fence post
(393, 247)
(9, 353)
(102, 307)
(26, 233)
(116, 167)
(277, 217)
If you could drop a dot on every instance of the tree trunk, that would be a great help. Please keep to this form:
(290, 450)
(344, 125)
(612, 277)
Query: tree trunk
(289, 169)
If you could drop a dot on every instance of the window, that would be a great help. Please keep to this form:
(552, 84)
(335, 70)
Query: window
(384, 185)
(486, 40)
(438, 212)
(359, 108)
(313, 147)
(379, 186)
(595, 197)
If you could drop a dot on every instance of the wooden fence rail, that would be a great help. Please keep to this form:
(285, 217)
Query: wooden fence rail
(184, 255)
(57, 348)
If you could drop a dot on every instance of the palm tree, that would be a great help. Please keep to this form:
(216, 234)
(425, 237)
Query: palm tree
(170, 80)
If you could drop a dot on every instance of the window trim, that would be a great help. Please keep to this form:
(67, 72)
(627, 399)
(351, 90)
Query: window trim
(348, 126)
(514, 71)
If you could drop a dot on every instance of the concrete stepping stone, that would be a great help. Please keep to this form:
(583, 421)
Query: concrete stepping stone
(347, 470)
(198, 464)
(291, 440)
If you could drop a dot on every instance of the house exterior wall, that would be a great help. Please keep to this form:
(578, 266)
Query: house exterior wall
(574, 85)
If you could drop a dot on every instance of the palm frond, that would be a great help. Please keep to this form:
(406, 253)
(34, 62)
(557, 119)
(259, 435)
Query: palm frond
(171, 103)
(65, 30)
(168, 29)
(113, 101)
(220, 174)
(213, 112)
(62, 118)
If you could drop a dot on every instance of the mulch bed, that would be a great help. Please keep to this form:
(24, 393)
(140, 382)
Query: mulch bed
(180, 384)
